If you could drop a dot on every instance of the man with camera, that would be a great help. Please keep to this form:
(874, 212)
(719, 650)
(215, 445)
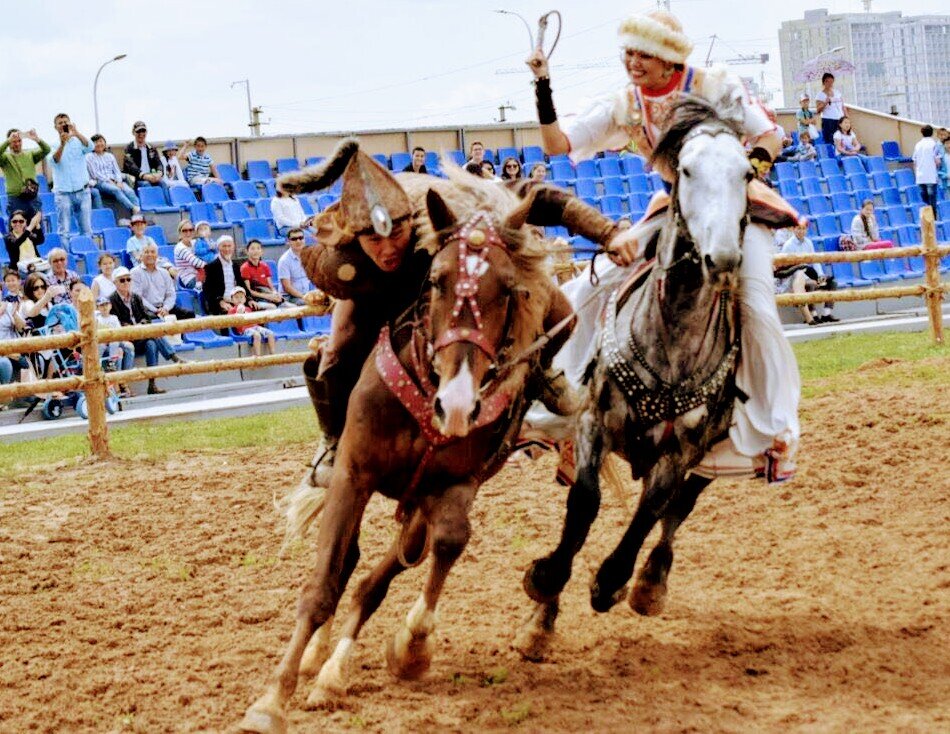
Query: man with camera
(19, 170)
(71, 177)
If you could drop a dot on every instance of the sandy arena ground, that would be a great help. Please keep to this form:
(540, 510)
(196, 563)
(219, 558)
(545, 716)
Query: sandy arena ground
(149, 597)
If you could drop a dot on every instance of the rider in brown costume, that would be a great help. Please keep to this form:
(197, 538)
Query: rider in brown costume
(367, 256)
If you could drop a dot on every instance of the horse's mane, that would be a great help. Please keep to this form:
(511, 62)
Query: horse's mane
(465, 194)
(687, 113)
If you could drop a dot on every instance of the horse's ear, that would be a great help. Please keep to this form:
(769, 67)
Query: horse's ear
(440, 215)
(518, 216)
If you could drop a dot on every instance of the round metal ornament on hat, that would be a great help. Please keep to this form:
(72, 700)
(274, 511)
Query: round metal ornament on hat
(378, 213)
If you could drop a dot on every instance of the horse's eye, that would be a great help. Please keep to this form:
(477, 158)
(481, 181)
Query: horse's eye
(686, 172)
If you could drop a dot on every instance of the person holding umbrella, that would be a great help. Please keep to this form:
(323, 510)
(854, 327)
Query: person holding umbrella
(830, 105)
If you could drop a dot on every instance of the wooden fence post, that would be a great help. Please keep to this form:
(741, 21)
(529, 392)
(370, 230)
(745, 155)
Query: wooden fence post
(94, 384)
(934, 294)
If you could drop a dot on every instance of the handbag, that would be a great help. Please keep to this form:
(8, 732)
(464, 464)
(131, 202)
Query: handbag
(31, 189)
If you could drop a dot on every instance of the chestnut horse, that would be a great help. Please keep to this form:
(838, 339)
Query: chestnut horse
(436, 412)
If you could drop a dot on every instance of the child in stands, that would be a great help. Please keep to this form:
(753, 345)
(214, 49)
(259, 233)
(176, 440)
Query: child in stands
(204, 248)
(122, 353)
(805, 150)
(257, 332)
(257, 275)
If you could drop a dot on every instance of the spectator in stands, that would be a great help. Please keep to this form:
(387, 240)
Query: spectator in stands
(511, 169)
(288, 213)
(221, 275)
(476, 152)
(846, 141)
(418, 162)
(539, 172)
(136, 243)
(122, 353)
(205, 248)
(60, 274)
(38, 296)
(865, 232)
(804, 151)
(171, 168)
(130, 310)
(925, 166)
(155, 287)
(199, 167)
(488, 171)
(293, 278)
(806, 278)
(70, 177)
(762, 163)
(944, 172)
(475, 169)
(24, 239)
(12, 325)
(257, 275)
(190, 267)
(19, 171)
(104, 171)
(805, 118)
(258, 333)
(141, 161)
(830, 105)
(102, 285)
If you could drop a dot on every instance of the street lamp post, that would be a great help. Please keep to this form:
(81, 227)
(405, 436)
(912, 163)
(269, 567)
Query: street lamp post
(95, 88)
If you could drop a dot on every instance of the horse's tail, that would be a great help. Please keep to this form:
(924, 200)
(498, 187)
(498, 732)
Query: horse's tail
(300, 508)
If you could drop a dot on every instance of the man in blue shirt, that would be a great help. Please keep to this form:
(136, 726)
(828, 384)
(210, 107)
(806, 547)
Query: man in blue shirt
(806, 278)
(70, 177)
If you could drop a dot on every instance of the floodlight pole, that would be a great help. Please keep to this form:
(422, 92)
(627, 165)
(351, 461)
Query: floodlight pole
(253, 113)
(95, 88)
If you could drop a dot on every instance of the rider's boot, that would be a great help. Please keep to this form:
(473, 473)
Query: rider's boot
(326, 397)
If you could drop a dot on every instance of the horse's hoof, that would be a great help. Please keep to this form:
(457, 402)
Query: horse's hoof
(263, 721)
(324, 698)
(601, 601)
(407, 656)
(532, 644)
(544, 581)
(648, 599)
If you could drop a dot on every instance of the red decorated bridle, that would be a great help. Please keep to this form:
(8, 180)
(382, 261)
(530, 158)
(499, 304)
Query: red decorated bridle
(474, 239)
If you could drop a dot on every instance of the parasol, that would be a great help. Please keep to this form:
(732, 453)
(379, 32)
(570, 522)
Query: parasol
(813, 70)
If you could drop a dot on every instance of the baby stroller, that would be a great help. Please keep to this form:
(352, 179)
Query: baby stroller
(67, 363)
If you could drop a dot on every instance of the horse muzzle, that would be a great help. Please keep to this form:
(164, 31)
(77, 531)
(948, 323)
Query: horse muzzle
(457, 405)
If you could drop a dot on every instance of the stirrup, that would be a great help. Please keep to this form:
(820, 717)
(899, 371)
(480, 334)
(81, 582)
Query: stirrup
(321, 468)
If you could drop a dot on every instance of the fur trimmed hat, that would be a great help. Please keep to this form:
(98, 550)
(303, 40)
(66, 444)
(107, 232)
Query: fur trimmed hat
(371, 200)
(656, 33)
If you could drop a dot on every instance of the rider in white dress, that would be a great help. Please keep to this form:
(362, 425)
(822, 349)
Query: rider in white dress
(654, 49)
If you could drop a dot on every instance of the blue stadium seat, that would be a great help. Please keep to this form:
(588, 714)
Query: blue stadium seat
(287, 330)
(904, 178)
(316, 325)
(943, 211)
(826, 150)
(811, 187)
(913, 196)
(639, 184)
(897, 216)
(432, 161)
(262, 209)
(306, 205)
(916, 267)
(286, 165)
(188, 299)
(827, 225)
(325, 200)
(80, 245)
(586, 187)
(508, 153)
(829, 167)
(898, 266)
(245, 191)
(152, 199)
(457, 156)
(228, 173)
(102, 218)
(788, 188)
(114, 238)
(43, 183)
(632, 165)
(837, 184)
(807, 169)
(168, 252)
(609, 167)
(563, 170)
(235, 211)
(614, 186)
(532, 154)
(818, 205)
(91, 259)
(156, 233)
(874, 270)
(207, 339)
(798, 204)
(401, 159)
(842, 202)
(876, 164)
(786, 171)
(383, 159)
(892, 152)
(315, 160)
(845, 277)
(844, 219)
(880, 180)
(270, 186)
(909, 235)
(891, 196)
(258, 171)
(612, 206)
(214, 193)
(858, 181)
(259, 229)
(181, 197)
(850, 165)
(203, 211)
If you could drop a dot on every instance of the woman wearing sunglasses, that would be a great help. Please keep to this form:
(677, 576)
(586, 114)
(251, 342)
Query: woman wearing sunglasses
(511, 169)
(24, 239)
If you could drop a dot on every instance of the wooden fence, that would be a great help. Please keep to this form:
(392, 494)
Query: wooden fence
(89, 338)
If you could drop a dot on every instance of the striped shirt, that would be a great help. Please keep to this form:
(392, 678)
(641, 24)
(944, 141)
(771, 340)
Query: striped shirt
(103, 167)
(199, 165)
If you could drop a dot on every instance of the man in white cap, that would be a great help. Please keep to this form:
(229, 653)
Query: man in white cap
(654, 51)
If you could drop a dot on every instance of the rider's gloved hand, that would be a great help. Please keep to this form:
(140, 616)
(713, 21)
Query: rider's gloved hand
(624, 247)
(538, 63)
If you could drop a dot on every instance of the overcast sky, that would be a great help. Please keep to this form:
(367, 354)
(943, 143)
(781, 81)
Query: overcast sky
(338, 66)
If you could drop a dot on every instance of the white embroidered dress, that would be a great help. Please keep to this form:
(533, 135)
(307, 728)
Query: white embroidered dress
(768, 372)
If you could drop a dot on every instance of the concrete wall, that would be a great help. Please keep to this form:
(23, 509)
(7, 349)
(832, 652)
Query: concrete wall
(871, 128)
